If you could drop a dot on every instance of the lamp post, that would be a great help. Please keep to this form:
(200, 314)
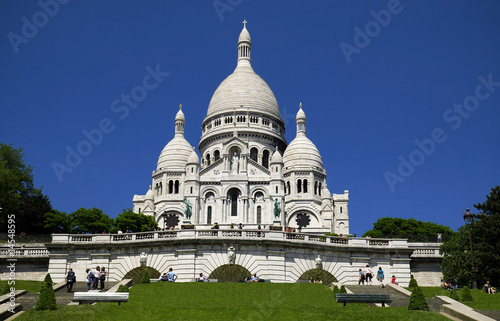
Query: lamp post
(468, 219)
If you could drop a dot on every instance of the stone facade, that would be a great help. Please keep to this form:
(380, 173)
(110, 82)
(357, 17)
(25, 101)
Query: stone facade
(248, 173)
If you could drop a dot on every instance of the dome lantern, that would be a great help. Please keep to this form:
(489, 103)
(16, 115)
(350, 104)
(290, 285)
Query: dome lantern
(244, 46)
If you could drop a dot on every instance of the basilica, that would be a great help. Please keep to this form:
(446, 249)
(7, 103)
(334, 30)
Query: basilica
(248, 174)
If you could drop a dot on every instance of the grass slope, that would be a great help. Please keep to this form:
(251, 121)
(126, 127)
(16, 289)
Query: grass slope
(228, 301)
(30, 286)
(482, 300)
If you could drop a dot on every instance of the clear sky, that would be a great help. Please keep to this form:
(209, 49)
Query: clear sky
(402, 97)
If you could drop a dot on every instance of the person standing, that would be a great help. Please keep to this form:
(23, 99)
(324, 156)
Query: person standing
(70, 279)
(172, 276)
(96, 273)
(102, 277)
(89, 278)
(380, 277)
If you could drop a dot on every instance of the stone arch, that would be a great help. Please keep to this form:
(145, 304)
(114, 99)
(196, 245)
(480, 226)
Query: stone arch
(207, 189)
(166, 219)
(326, 277)
(136, 274)
(229, 273)
(257, 189)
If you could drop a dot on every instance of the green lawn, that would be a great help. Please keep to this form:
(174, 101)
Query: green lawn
(30, 286)
(228, 301)
(482, 300)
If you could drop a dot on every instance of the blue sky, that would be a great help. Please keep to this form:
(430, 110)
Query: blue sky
(402, 97)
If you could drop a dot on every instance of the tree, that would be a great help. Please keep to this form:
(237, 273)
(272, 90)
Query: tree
(412, 229)
(46, 298)
(145, 277)
(57, 222)
(417, 300)
(485, 233)
(92, 221)
(128, 220)
(413, 283)
(18, 196)
(466, 296)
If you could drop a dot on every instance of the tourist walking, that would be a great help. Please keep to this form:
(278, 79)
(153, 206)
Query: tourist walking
(368, 275)
(380, 277)
(361, 277)
(70, 279)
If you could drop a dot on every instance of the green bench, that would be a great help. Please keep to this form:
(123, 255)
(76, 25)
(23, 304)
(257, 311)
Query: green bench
(363, 298)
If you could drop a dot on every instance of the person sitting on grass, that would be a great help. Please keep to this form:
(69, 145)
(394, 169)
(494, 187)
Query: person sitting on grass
(394, 281)
(163, 277)
(254, 278)
(488, 288)
(201, 278)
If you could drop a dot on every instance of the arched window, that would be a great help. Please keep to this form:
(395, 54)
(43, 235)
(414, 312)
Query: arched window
(315, 188)
(299, 186)
(305, 186)
(170, 187)
(208, 159)
(319, 189)
(288, 188)
(259, 214)
(161, 188)
(176, 187)
(265, 159)
(233, 197)
(209, 196)
(253, 154)
(216, 155)
(209, 215)
(191, 190)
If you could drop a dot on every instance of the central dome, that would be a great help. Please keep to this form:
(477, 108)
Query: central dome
(244, 90)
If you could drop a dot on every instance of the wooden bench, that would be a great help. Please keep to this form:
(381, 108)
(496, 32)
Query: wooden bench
(363, 298)
(88, 297)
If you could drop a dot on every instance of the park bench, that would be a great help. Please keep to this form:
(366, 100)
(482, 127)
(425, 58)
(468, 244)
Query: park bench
(363, 298)
(209, 280)
(88, 297)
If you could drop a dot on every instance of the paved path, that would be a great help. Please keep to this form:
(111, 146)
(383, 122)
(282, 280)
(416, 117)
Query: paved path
(63, 297)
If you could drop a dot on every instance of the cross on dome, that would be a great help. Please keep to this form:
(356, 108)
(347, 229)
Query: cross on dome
(245, 23)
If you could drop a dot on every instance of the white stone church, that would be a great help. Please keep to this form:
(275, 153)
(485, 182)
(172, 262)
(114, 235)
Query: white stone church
(248, 173)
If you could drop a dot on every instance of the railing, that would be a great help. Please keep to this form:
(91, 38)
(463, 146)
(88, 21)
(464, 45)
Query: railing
(229, 233)
(25, 252)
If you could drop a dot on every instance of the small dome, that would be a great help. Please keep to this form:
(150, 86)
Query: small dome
(149, 194)
(175, 154)
(300, 114)
(193, 158)
(302, 153)
(244, 35)
(276, 157)
(180, 114)
(325, 194)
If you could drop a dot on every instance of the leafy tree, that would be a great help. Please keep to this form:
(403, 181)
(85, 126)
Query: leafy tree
(92, 221)
(145, 277)
(18, 195)
(128, 220)
(412, 229)
(485, 233)
(57, 222)
(466, 296)
(417, 300)
(46, 298)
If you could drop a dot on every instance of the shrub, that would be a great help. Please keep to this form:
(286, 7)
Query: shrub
(145, 278)
(46, 298)
(466, 296)
(413, 283)
(342, 289)
(123, 288)
(5, 289)
(417, 300)
(48, 279)
(454, 295)
(335, 291)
